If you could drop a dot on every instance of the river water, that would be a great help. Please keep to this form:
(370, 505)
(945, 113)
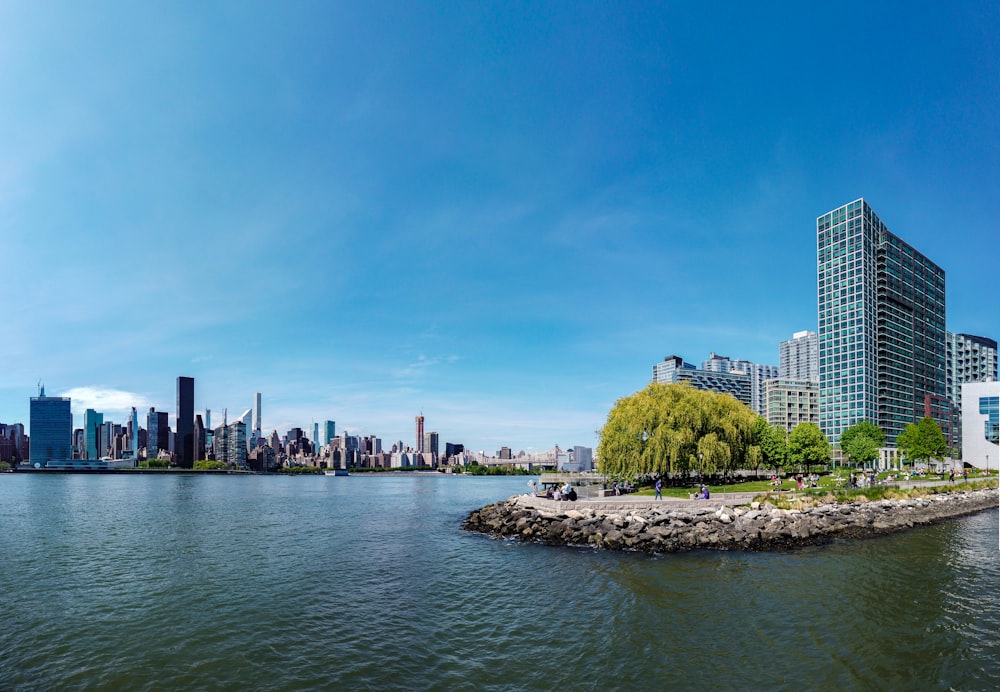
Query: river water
(277, 583)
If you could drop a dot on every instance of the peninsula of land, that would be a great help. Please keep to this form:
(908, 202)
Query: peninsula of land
(672, 526)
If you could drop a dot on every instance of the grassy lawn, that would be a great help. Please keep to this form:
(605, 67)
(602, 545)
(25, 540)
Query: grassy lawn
(835, 482)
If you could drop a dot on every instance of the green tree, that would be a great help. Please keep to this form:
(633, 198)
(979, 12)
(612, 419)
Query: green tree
(676, 429)
(774, 446)
(807, 445)
(862, 441)
(922, 441)
(209, 465)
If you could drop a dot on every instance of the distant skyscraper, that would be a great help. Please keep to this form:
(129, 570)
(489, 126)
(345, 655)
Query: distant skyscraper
(420, 433)
(798, 357)
(330, 431)
(431, 442)
(200, 438)
(185, 422)
(208, 419)
(881, 326)
(315, 439)
(247, 419)
(133, 434)
(157, 433)
(256, 427)
(92, 422)
(51, 423)
(230, 443)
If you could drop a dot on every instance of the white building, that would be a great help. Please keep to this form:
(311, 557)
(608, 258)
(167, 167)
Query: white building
(798, 357)
(980, 424)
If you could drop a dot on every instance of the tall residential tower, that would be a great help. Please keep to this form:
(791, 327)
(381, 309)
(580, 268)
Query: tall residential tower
(881, 326)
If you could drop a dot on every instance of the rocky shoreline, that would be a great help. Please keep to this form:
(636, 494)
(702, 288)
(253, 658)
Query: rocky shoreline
(672, 527)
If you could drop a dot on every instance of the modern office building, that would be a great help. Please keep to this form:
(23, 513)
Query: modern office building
(431, 443)
(420, 432)
(674, 369)
(798, 357)
(92, 422)
(790, 402)
(881, 326)
(200, 438)
(51, 422)
(981, 424)
(184, 435)
(330, 431)
(157, 433)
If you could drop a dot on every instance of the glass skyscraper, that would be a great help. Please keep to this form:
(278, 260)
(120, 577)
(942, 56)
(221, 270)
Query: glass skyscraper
(51, 429)
(881, 326)
(184, 437)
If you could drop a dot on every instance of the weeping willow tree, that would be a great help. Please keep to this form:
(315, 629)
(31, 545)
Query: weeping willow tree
(677, 429)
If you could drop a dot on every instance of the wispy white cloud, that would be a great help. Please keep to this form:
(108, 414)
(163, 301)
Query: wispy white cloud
(104, 399)
(421, 365)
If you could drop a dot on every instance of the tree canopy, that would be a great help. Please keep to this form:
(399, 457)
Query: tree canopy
(922, 441)
(807, 445)
(677, 429)
(862, 441)
(773, 443)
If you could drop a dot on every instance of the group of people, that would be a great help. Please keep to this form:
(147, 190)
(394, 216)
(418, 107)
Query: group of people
(557, 492)
(809, 481)
(702, 494)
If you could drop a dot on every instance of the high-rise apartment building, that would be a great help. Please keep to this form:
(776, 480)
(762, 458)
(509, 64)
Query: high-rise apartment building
(798, 357)
(420, 432)
(790, 402)
(674, 369)
(256, 427)
(757, 372)
(184, 435)
(51, 423)
(968, 358)
(229, 443)
(881, 326)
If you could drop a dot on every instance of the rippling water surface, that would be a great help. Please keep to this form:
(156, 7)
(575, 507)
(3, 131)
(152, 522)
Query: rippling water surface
(274, 583)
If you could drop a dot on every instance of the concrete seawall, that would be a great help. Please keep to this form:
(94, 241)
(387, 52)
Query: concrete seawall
(674, 525)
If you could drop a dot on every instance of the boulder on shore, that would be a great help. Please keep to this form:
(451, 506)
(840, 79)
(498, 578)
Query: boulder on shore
(763, 527)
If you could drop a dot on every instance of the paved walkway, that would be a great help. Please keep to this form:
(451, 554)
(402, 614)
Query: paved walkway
(627, 502)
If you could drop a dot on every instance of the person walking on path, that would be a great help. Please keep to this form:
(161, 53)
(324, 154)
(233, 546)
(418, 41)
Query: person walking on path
(659, 495)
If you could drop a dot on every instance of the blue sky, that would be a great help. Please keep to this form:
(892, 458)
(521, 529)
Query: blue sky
(499, 214)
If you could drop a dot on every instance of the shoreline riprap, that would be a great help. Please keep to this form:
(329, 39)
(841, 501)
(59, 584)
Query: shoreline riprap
(673, 527)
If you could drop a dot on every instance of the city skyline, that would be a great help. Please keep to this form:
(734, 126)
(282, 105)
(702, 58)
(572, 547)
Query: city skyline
(499, 216)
